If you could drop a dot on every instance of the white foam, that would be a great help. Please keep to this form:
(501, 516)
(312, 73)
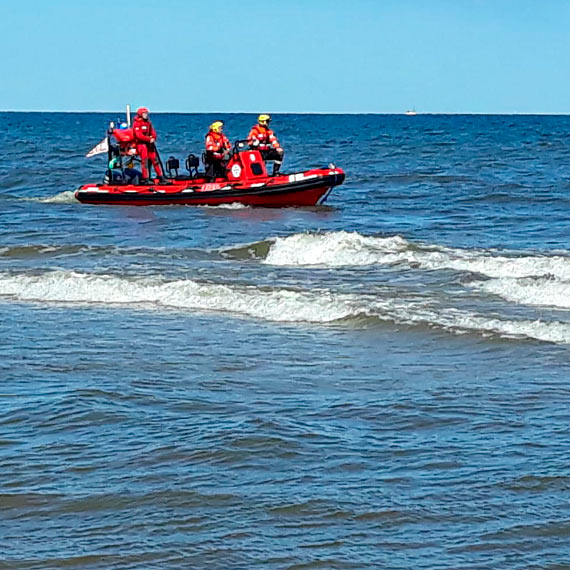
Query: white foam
(280, 305)
(463, 322)
(275, 305)
(67, 197)
(337, 249)
(537, 292)
(231, 206)
(553, 331)
(499, 266)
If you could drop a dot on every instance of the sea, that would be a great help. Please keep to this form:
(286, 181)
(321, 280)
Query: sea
(380, 382)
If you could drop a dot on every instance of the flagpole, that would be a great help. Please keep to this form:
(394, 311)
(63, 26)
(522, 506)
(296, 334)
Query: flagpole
(128, 115)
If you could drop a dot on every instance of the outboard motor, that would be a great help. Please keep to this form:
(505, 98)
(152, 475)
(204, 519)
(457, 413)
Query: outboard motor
(192, 164)
(172, 165)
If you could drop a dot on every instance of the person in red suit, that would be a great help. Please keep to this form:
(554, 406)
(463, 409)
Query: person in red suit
(217, 151)
(262, 138)
(145, 139)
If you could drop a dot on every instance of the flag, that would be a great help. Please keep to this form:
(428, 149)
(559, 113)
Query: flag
(103, 146)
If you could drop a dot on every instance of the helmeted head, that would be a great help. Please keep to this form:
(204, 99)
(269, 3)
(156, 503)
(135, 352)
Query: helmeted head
(217, 126)
(143, 112)
(123, 126)
(264, 120)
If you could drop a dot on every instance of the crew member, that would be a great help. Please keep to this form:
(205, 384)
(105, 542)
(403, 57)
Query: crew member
(145, 138)
(116, 174)
(217, 151)
(262, 138)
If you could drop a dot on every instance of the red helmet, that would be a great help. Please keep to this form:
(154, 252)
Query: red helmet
(141, 110)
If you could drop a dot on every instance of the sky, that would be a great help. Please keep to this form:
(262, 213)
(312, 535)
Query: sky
(288, 56)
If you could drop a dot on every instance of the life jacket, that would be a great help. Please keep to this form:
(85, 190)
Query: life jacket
(216, 143)
(143, 131)
(263, 138)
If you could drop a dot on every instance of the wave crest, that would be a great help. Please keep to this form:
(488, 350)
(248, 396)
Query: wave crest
(337, 249)
(268, 304)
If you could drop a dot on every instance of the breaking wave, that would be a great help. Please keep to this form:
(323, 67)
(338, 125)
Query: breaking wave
(338, 249)
(74, 287)
(541, 292)
(268, 304)
(520, 279)
(535, 280)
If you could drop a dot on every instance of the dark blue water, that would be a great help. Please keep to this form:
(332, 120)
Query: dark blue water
(382, 382)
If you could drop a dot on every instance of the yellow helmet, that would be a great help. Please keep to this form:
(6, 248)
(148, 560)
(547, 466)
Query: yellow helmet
(217, 126)
(263, 119)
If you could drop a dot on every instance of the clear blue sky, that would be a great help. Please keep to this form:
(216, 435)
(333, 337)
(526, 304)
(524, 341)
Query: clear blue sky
(378, 56)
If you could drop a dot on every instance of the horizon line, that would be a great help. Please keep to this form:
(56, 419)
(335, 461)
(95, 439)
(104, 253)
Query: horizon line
(418, 113)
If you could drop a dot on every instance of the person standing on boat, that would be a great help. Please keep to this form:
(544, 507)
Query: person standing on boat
(217, 151)
(145, 139)
(262, 138)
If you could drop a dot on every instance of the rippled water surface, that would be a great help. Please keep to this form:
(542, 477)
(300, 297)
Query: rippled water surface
(382, 382)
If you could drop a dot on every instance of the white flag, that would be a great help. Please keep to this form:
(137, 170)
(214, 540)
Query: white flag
(103, 146)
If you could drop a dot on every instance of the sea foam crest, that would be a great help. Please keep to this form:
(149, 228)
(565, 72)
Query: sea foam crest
(542, 292)
(274, 305)
(280, 305)
(463, 322)
(337, 249)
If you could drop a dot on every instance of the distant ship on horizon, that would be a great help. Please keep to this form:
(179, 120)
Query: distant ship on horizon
(411, 112)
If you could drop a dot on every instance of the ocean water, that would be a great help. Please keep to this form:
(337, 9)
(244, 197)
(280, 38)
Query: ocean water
(381, 382)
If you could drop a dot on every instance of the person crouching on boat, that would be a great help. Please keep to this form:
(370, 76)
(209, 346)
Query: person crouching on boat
(262, 138)
(217, 151)
(117, 174)
(145, 139)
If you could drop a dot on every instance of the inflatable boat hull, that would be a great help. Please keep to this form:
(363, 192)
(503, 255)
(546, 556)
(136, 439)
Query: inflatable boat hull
(308, 188)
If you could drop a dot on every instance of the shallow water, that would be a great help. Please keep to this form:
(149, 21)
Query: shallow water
(378, 383)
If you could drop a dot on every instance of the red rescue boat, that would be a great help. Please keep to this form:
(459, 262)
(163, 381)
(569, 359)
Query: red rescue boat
(247, 182)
